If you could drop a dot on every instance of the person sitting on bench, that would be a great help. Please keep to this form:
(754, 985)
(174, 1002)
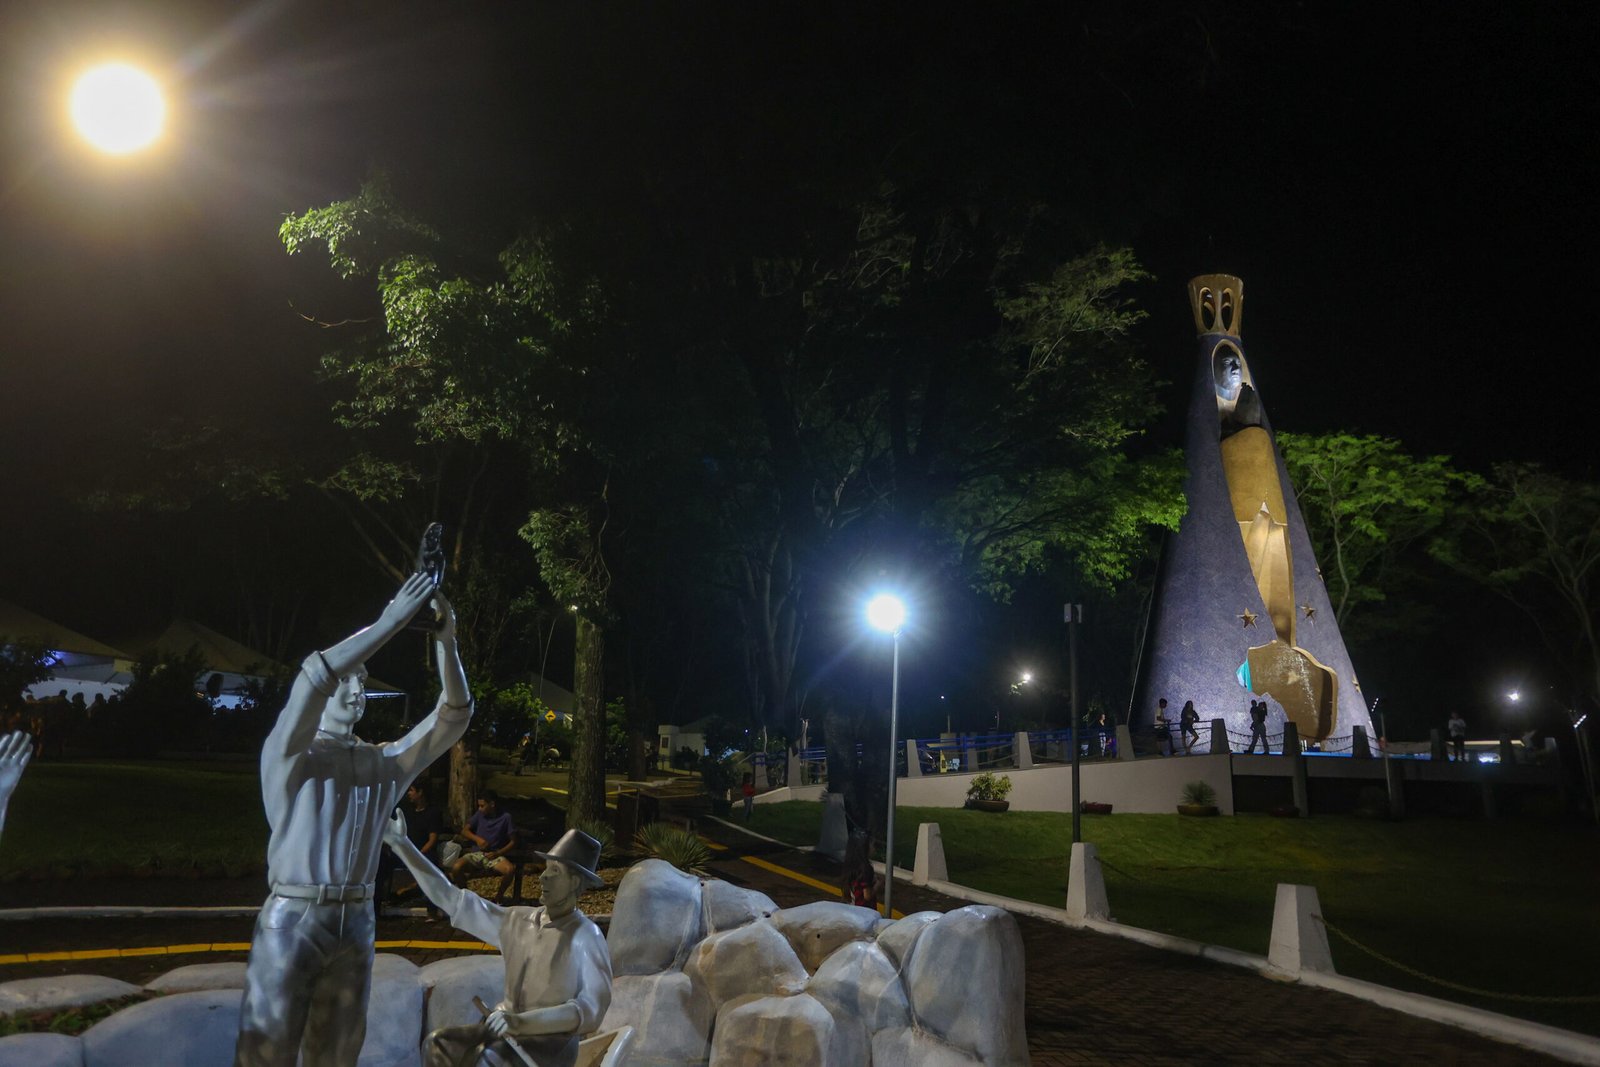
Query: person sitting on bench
(483, 842)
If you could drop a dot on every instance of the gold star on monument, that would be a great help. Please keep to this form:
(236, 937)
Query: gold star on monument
(1310, 611)
(1249, 617)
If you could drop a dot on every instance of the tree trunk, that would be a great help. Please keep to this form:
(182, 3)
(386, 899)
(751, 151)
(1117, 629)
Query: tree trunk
(463, 800)
(641, 737)
(586, 785)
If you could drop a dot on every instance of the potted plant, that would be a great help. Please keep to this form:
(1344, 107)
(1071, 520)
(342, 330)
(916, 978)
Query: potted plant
(987, 792)
(1197, 798)
(1093, 807)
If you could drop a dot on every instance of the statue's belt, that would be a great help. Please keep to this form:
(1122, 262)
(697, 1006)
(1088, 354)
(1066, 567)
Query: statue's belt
(326, 894)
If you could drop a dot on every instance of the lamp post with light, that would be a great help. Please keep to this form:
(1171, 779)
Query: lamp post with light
(887, 614)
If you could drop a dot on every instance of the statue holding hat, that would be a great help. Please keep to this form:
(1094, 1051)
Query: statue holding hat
(558, 969)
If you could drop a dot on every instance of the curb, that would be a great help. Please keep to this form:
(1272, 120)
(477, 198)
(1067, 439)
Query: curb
(128, 911)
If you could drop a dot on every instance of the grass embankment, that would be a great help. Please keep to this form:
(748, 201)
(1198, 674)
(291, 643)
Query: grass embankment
(1501, 905)
(100, 819)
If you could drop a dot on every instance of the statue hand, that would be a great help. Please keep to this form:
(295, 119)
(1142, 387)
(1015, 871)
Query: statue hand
(498, 1023)
(446, 630)
(408, 601)
(15, 751)
(394, 831)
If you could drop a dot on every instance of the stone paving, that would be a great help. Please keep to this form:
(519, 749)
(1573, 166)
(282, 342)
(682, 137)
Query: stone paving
(1092, 998)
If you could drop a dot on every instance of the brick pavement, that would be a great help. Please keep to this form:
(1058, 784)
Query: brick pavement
(1091, 998)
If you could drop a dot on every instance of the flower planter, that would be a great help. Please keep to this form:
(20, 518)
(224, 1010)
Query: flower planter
(1197, 809)
(1090, 807)
(988, 805)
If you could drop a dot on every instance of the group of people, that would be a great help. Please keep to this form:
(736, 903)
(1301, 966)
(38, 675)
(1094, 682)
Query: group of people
(1188, 718)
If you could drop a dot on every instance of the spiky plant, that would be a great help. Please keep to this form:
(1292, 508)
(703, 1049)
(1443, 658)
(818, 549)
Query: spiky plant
(1199, 793)
(682, 848)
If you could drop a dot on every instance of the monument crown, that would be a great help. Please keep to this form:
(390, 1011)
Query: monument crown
(1217, 301)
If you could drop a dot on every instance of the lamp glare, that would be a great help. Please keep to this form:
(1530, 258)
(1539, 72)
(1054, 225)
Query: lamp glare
(117, 108)
(886, 612)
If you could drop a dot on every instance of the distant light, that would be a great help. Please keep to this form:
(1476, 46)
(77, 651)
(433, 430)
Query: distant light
(886, 612)
(117, 108)
(1026, 677)
(1514, 696)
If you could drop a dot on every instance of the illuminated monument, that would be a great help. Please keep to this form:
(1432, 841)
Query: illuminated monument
(1240, 609)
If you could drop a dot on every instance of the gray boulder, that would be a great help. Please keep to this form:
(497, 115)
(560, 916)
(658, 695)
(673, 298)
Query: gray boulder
(782, 1032)
(655, 920)
(728, 906)
(670, 1015)
(816, 930)
(752, 960)
(41, 1050)
(394, 1014)
(64, 991)
(965, 981)
(199, 976)
(196, 1029)
(897, 938)
(913, 1048)
(451, 984)
(861, 985)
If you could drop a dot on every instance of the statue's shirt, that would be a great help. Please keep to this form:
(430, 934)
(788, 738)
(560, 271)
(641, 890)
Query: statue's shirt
(327, 798)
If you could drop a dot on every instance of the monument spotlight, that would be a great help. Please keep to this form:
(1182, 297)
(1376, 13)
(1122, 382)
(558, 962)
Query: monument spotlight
(1514, 696)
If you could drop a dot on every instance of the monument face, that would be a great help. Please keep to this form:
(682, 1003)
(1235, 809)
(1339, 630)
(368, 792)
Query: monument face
(1240, 609)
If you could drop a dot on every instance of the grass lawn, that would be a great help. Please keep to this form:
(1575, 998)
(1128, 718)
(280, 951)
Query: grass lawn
(1503, 905)
(135, 816)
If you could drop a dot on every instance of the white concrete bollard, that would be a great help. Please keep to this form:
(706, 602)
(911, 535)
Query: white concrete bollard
(1299, 940)
(1086, 885)
(930, 856)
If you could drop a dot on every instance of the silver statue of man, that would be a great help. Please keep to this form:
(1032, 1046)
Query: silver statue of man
(15, 751)
(558, 969)
(328, 796)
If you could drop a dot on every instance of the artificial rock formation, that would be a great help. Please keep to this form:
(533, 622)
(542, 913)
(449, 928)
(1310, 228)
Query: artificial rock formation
(825, 984)
(1241, 610)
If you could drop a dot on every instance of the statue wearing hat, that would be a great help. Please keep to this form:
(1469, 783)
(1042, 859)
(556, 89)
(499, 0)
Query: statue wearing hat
(558, 969)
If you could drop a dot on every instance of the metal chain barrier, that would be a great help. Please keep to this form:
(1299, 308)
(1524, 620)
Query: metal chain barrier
(1525, 998)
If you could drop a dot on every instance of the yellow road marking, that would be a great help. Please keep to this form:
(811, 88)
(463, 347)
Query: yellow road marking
(217, 946)
(714, 846)
(831, 890)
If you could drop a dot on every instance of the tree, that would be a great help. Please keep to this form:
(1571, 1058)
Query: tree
(23, 661)
(1368, 503)
(1533, 537)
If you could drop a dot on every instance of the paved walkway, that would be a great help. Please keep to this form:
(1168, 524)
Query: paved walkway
(1091, 998)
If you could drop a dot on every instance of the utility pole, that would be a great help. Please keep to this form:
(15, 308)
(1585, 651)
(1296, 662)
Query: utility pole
(1074, 615)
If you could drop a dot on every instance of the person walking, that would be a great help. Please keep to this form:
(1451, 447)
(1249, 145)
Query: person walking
(1258, 727)
(1163, 727)
(1458, 735)
(748, 790)
(1186, 721)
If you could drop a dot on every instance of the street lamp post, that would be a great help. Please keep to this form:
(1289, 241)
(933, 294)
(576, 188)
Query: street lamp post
(887, 613)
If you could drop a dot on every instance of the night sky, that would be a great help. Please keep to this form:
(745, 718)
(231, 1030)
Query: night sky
(1406, 190)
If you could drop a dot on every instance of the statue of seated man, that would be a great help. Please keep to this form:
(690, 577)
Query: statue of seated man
(558, 969)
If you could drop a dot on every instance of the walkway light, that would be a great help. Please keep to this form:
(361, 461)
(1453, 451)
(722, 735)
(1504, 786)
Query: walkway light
(887, 613)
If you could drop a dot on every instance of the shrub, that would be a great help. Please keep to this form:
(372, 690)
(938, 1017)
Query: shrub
(679, 847)
(1200, 793)
(988, 786)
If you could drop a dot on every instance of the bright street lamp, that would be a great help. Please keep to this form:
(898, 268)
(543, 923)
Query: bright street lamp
(887, 613)
(117, 108)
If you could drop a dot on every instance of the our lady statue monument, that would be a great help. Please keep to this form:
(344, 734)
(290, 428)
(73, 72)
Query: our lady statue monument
(1240, 609)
